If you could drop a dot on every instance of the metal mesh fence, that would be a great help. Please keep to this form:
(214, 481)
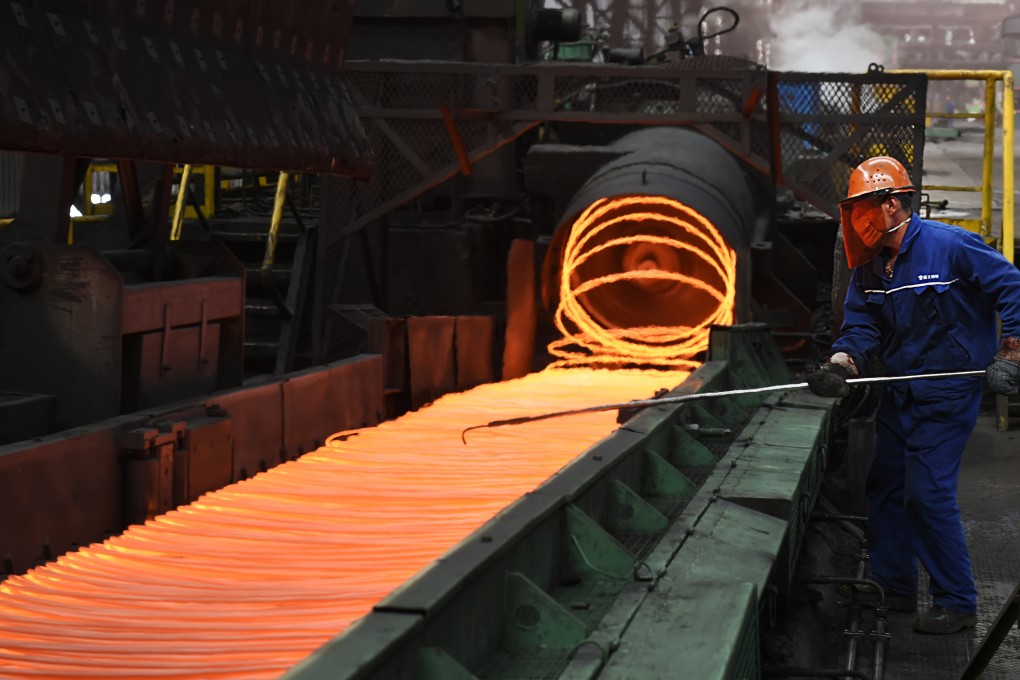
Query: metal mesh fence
(829, 123)
(400, 105)
(821, 125)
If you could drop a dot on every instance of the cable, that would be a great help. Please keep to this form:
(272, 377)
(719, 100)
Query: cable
(701, 24)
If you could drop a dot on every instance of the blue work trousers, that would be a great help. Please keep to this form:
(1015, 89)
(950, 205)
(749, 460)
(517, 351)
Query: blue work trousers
(911, 488)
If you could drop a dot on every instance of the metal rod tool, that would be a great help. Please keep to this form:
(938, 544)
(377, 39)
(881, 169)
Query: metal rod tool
(643, 403)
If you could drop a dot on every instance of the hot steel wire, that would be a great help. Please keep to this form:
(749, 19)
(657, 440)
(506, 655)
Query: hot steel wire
(586, 340)
(248, 580)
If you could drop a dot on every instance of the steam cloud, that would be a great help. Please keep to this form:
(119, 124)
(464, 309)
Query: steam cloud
(823, 36)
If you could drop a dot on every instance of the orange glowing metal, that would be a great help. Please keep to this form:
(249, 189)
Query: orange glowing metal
(250, 579)
(588, 342)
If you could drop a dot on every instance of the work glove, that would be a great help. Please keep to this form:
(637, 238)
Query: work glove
(1004, 373)
(830, 381)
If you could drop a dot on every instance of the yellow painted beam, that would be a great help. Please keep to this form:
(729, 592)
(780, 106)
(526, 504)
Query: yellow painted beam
(274, 225)
(182, 191)
(1007, 165)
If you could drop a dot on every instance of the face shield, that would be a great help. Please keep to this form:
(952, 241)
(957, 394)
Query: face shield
(863, 228)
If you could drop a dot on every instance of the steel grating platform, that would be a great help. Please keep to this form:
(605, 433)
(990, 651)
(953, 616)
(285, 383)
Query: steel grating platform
(990, 500)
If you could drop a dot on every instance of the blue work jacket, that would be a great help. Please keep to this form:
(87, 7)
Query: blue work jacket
(937, 312)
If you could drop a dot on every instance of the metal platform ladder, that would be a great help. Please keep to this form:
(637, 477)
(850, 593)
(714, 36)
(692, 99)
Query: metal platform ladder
(278, 262)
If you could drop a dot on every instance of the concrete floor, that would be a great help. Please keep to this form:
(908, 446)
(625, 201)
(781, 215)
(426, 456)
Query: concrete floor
(990, 500)
(959, 162)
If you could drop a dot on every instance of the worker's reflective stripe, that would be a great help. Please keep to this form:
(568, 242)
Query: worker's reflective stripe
(913, 285)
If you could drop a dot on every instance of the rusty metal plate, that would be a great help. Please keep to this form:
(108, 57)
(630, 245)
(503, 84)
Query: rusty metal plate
(209, 451)
(430, 350)
(184, 372)
(358, 384)
(474, 350)
(149, 306)
(78, 301)
(519, 342)
(60, 491)
(306, 402)
(258, 429)
(319, 402)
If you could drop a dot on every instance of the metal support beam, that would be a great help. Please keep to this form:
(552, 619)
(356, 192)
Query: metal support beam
(489, 105)
(128, 175)
(159, 208)
(437, 178)
(290, 330)
(47, 191)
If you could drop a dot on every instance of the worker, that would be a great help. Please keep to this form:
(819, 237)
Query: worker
(922, 298)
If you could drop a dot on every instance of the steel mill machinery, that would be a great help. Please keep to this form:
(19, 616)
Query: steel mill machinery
(250, 249)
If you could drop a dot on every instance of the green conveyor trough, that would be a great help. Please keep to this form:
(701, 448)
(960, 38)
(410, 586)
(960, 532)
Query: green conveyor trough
(653, 554)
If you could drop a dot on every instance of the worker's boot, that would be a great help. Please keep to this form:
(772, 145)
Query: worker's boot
(940, 621)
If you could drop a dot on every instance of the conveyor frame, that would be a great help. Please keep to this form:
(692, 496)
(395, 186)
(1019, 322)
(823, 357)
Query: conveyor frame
(554, 586)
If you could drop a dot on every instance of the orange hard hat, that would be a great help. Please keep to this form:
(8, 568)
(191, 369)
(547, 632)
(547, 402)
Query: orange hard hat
(878, 176)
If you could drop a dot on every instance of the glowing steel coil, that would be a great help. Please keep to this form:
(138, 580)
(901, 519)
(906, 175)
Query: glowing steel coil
(654, 251)
(250, 579)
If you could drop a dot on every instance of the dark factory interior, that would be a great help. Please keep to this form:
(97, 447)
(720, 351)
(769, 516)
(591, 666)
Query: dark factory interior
(451, 339)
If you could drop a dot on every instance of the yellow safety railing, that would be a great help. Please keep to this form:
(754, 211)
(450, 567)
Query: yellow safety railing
(274, 224)
(1006, 242)
(182, 191)
(991, 78)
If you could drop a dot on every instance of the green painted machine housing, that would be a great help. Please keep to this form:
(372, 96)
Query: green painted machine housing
(655, 552)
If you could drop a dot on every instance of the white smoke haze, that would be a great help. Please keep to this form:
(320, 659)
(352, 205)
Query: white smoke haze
(820, 36)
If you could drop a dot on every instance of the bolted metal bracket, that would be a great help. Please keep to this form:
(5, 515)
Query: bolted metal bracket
(536, 620)
(149, 471)
(662, 479)
(688, 451)
(21, 267)
(436, 664)
(705, 420)
(593, 551)
(629, 513)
